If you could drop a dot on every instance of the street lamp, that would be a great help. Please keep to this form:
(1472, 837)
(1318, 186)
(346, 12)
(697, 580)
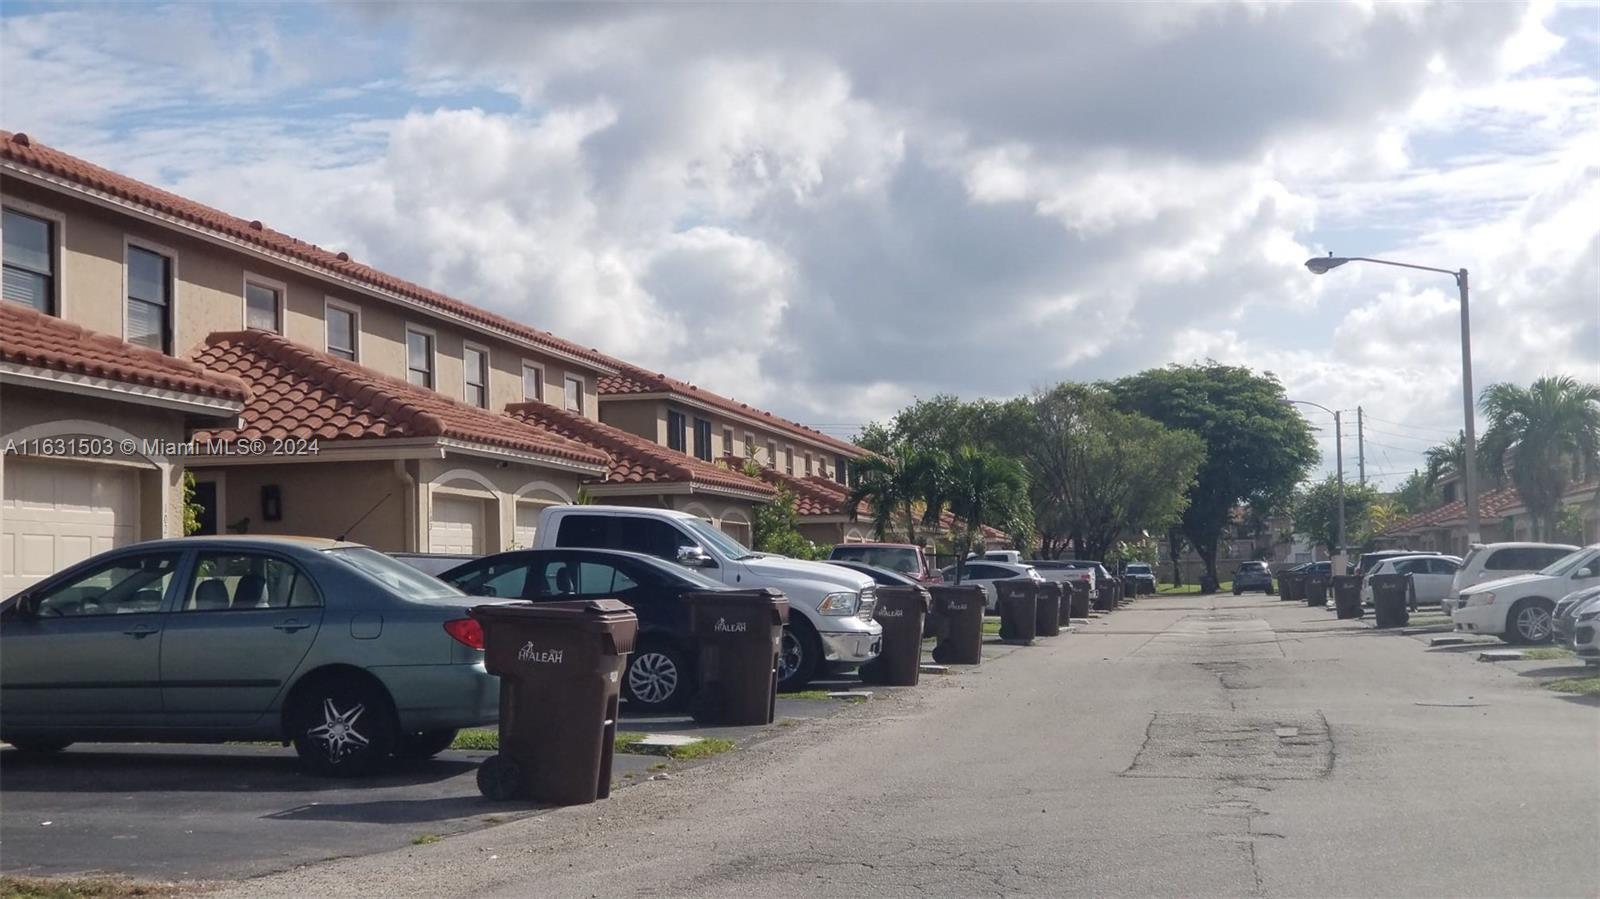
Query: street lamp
(1321, 265)
(1338, 456)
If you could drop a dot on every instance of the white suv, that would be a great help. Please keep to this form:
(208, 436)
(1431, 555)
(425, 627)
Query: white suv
(1496, 561)
(1517, 609)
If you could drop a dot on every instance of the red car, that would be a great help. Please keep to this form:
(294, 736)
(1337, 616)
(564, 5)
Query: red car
(902, 558)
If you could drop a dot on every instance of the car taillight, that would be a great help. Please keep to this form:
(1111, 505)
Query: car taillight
(467, 631)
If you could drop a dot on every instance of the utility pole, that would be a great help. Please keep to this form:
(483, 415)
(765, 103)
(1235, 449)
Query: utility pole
(1361, 445)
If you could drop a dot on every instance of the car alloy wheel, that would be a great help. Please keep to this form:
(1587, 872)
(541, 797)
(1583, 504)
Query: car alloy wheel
(791, 655)
(653, 677)
(1533, 623)
(338, 734)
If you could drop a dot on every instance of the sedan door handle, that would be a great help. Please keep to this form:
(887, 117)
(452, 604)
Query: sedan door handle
(292, 625)
(142, 631)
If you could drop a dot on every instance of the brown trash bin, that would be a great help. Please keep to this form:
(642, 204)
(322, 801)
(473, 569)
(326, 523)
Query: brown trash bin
(1064, 606)
(1291, 586)
(737, 635)
(1105, 598)
(1316, 587)
(1047, 611)
(1018, 610)
(1080, 598)
(901, 611)
(958, 613)
(1389, 599)
(560, 666)
(1347, 595)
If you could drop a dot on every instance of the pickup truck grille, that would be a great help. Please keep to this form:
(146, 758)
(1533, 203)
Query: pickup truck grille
(869, 604)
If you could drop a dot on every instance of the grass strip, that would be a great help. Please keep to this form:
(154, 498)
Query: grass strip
(628, 742)
(81, 888)
(479, 740)
(1584, 686)
(1547, 652)
(805, 694)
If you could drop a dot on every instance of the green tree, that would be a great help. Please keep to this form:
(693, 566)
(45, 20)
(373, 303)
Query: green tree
(191, 509)
(775, 528)
(1446, 460)
(985, 488)
(1415, 493)
(1542, 438)
(901, 480)
(1315, 512)
(1257, 448)
(1097, 473)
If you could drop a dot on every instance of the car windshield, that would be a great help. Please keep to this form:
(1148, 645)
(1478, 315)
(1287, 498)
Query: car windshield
(1138, 569)
(1567, 564)
(894, 558)
(398, 576)
(724, 544)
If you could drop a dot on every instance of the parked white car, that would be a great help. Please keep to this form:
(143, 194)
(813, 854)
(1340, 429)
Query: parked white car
(1517, 609)
(830, 608)
(983, 574)
(1431, 577)
(1494, 561)
(1564, 620)
(1583, 636)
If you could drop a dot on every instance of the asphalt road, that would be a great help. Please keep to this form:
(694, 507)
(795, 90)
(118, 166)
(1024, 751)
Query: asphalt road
(1206, 746)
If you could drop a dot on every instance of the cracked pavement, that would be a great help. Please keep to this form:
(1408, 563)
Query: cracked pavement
(1196, 746)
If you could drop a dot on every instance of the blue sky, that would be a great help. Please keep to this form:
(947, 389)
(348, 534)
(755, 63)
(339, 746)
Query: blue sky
(829, 211)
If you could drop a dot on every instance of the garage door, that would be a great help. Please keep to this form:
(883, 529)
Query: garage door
(456, 525)
(527, 529)
(59, 513)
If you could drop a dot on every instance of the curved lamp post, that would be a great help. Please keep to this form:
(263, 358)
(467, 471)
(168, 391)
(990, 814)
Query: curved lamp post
(1321, 265)
(1338, 456)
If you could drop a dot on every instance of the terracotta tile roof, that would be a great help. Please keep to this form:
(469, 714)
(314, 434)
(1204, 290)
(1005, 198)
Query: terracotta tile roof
(29, 337)
(300, 393)
(1496, 502)
(632, 379)
(634, 459)
(21, 149)
(813, 496)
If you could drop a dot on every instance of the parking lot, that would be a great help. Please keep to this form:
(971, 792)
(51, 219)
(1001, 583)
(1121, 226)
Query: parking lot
(222, 812)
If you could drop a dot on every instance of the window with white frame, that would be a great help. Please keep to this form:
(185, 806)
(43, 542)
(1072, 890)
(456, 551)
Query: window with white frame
(574, 386)
(344, 329)
(727, 441)
(419, 358)
(30, 261)
(749, 445)
(788, 460)
(532, 382)
(475, 371)
(149, 299)
(772, 454)
(263, 306)
(808, 465)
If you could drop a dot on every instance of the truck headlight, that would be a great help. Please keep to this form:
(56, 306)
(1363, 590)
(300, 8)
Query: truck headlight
(1482, 599)
(1589, 616)
(839, 604)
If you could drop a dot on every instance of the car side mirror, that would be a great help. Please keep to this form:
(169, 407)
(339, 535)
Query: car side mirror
(695, 557)
(1583, 574)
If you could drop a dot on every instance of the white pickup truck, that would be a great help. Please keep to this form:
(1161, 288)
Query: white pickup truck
(830, 607)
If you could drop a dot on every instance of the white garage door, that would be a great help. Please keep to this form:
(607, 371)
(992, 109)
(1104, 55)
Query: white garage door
(456, 525)
(59, 513)
(527, 529)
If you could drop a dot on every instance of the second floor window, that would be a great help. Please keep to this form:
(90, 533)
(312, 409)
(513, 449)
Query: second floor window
(702, 440)
(419, 358)
(149, 299)
(772, 454)
(341, 332)
(727, 441)
(532, 383)
(261, 309)
(677, 426)
(29, 253)
(808, 465)
(574, 394)
(788, 460)
(475, 363)
(838, 469)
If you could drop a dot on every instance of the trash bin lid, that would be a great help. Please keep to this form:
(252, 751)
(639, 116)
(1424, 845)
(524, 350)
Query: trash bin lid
(577, 612)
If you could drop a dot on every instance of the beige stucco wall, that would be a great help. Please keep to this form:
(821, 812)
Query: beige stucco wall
(210, 289)
(27, 412)
(319, 499)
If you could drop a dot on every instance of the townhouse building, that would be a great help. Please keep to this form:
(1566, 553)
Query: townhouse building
(325, 397)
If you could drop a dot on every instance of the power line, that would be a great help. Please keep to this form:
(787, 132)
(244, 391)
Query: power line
(1412, 427)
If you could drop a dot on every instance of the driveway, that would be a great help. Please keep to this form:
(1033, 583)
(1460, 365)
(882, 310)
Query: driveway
(1196, 746)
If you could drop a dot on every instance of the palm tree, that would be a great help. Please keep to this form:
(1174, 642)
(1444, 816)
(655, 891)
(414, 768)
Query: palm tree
(983, 488)
(897, 481)
(1448, 458)
(1545, 437)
